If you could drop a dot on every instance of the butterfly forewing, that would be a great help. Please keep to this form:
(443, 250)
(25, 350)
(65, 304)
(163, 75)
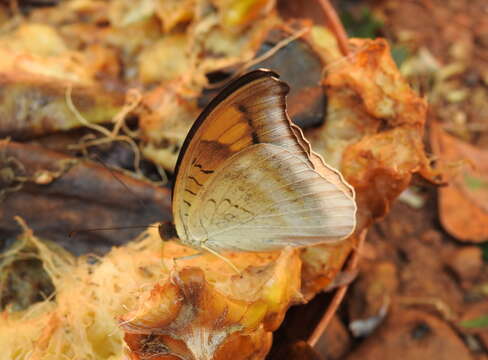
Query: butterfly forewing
(247, 180)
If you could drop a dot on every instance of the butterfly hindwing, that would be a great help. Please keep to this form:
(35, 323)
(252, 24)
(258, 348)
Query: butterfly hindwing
(282, 201)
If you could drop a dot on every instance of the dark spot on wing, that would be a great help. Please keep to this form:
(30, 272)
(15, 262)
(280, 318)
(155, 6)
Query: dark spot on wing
(242, 108)
(255, 139)
(187, 202)
(241, 208)
(195, 180)
(204, 170)
(191, 192)
(247, 116)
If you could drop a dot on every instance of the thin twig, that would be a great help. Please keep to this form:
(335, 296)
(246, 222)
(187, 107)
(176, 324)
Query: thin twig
(339, 295)
(278, 46)
(134, 98)
(335, 25)
(342, 60)
(281, 44)
(79, 117)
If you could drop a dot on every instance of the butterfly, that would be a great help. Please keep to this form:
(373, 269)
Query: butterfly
(246, 178)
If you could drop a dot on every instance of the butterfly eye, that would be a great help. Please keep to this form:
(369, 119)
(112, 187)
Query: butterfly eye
(167, 230)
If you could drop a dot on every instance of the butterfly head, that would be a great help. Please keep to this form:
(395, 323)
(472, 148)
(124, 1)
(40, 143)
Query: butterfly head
(167, 230)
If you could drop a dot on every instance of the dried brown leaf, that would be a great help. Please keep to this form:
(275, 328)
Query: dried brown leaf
(373, 134)
(34, 105)
(463, 205)
(80, 195)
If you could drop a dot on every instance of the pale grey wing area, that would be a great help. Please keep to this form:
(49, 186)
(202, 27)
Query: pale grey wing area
(265, 198)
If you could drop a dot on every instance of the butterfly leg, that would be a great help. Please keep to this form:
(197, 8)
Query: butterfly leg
(227, 261)
(187, 257)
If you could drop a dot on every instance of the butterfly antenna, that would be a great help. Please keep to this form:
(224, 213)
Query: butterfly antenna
(185, 257)
(227, 261)
(73, 233)
(121, 182)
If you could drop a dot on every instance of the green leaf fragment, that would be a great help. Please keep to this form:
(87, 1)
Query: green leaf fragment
(475, 183)
(480, 322)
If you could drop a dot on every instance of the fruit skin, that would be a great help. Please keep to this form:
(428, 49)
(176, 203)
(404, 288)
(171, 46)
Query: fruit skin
(196, 313)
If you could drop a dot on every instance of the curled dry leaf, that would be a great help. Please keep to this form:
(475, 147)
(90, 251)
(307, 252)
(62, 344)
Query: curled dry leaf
(373, 133)
(374, 127)
(463, 205)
